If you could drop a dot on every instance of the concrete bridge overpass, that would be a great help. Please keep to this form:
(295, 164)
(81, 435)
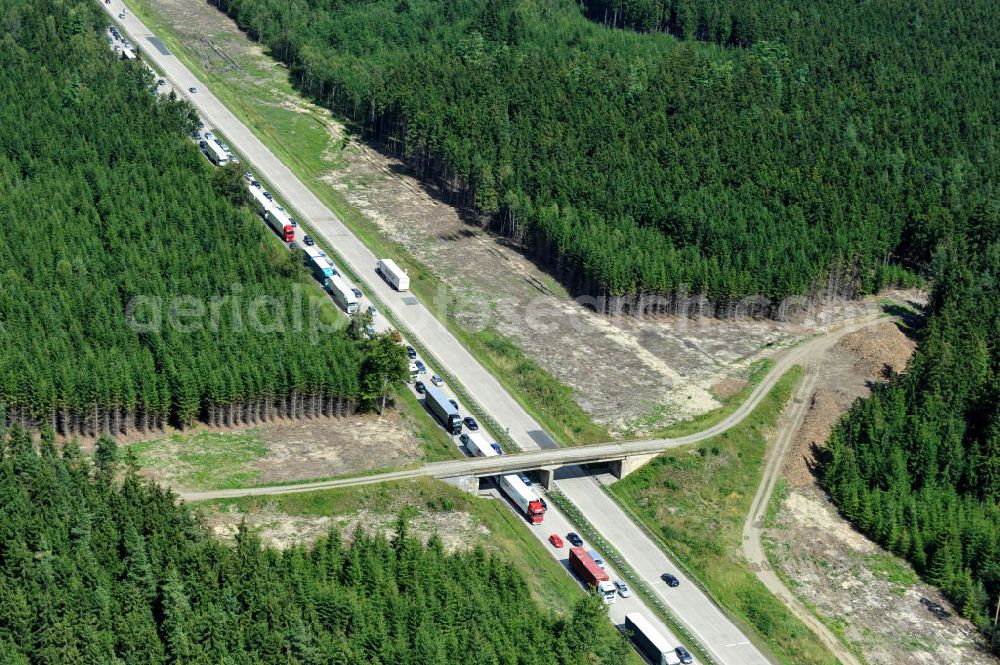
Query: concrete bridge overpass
(623, 457)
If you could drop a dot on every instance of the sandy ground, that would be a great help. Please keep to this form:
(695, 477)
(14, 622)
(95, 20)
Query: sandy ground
(308, 449)
(302, 449)
(457, 530)
(873, 597)
(629, 374)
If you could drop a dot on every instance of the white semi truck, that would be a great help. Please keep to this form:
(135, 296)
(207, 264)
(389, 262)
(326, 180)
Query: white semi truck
(523, 497)
(649, 641)
(216, 154)
(260, 201)
(280, 223)
(478, 445)
(342, 294)
(393, 274)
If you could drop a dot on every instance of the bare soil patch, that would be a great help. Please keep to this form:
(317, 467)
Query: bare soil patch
(457, 530)
(871, 595)
(879, 353)
(870, 354)
(283, 451)
(868, 595)
(728, 387)
(313, 449)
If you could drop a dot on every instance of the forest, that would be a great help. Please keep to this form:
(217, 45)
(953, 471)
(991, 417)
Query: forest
(638, 149)
(103, 201)
(103, 568)
(917, 465)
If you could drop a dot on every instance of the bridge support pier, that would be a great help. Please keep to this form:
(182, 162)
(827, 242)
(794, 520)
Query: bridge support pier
(468, 484)
(546, 475)
(623, 467)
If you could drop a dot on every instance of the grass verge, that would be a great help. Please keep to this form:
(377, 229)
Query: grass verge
(550, 402)
(696, 499)
(205, 460)
(755, 374)
(302, 140)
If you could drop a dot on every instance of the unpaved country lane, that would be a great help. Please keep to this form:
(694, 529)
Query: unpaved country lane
(753, 528)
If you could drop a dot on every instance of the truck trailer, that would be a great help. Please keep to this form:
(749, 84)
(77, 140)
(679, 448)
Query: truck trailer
(279, 222)
(216, 154)
(478, 445)
(523, 497)
(342, 294)
(320, 264)
(649, 641)
(393, 274)
(260, 201)
(442, 408)
(588, 571)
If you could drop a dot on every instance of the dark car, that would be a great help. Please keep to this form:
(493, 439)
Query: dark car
(421, 368)
(684, 655)
(471, 423)
(202, 145)
(453, 403)
(464, 438)
(670, 580)
(575, 539)
(358, 294)
(192, 90)
(161, 82)
(290, 219)
(410, 351)
(420, 387)
(309, 240)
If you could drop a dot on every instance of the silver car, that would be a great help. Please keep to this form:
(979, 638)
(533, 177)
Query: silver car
(622, 589)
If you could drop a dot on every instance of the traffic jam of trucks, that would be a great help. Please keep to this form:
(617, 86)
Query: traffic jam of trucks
(587, 566)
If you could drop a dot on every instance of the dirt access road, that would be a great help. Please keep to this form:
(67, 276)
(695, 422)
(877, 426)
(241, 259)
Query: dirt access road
(752, 547)
(813, 560)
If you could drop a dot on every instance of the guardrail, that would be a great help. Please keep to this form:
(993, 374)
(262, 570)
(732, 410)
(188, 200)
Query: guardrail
(745, 627)
(639, 585)
(500, 434)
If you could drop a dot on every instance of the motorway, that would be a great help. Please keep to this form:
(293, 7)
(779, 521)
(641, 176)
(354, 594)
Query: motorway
(723, 639)
(422, 325)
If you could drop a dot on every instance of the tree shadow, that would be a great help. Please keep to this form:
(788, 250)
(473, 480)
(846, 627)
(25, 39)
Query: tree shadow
(911, 318)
